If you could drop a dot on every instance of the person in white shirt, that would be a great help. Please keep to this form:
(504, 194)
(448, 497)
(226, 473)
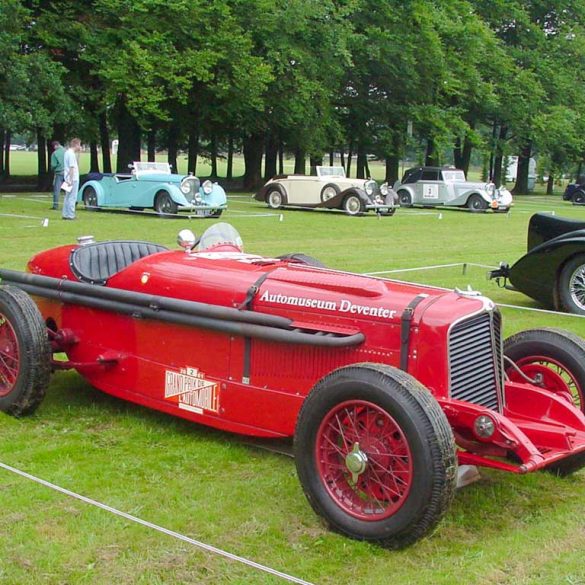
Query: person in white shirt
(71, 178)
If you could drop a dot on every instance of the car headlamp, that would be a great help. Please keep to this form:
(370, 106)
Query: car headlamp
(207, 187)
(369, 187)
(185, 187)
(384, 189)
(484, 426)
(490, 188)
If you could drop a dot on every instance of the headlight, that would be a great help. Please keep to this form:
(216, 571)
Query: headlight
(384, 189)
(185, 187)
(369, 187)
(207, 187)
(490, 188)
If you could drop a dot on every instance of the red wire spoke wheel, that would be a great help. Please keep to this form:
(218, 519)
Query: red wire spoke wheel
(9, 356)
(375, 455)
(552, 358)
(364, 460)
(550, 374)
(25, 353)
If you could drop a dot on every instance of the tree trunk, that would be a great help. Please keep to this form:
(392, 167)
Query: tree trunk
(172, 146)
(521, 186)
(331, 158)
(151, 145)
(253, 147)
(105, 142)
(192, 151)
(342, 157)
(270, 157)
(43, 179)
(315, 161)
(578, 176)
(349, 156)
(458, 153)
(550, 184)
(94, 163)
(230, 159)
(281, 159)
(392, 166)
(49, 151)
(300, 156)
(7, 140)
(361, 161)
(128, 138)
(467, 150)
(431, 155)
(2, 140)
(213, 156)
(496, 172)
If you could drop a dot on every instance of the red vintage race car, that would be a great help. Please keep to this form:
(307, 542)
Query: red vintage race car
(385, 386)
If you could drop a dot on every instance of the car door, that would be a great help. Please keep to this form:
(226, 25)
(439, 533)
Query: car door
(428, 188)
(304, 191)
(123, 189)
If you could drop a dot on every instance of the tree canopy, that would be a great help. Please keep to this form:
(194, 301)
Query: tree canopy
(437, 80)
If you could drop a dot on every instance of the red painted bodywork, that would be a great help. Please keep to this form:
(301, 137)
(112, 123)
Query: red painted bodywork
(136, 359)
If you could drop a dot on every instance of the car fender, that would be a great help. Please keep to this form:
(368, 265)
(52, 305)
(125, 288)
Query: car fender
(216, 198)
(463, 198)
(536, 274)
(175, 193)
(408, 187)
(261, 194)
(98, 188)
(337, 201)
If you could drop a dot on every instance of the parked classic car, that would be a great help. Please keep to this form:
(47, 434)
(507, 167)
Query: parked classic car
(384, 385)
(330, 189)
(153, 185)
(575, 192)
(553, 269)
(435, 186)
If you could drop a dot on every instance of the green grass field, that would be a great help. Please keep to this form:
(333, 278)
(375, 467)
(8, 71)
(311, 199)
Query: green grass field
(213, 487)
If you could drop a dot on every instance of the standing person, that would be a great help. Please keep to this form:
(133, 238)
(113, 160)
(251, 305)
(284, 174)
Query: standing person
(71, 175)
(57, 168)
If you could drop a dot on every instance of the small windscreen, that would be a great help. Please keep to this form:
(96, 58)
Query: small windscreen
(220, 234)
(330, 171)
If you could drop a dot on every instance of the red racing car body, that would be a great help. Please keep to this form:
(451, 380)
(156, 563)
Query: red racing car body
(384, 385)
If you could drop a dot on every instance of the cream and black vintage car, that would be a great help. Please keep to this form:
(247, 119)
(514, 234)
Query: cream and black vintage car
(330, 189)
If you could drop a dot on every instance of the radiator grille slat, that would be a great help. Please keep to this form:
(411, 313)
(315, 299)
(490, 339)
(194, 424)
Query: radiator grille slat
(475, 354)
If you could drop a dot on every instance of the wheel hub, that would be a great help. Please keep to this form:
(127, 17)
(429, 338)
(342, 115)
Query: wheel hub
(356, 462)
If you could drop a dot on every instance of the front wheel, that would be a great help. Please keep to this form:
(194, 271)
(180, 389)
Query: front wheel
(352, 205)
(25, 353)
(274, 199)
(375, 455)
(164, 204)
(476, 203)
(552, 359)
(571, 285)
(578, 197)
(404, 198)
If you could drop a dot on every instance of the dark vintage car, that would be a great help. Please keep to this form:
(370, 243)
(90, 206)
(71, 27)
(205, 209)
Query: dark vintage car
(385, 386)
(575, 192)
(553, 269)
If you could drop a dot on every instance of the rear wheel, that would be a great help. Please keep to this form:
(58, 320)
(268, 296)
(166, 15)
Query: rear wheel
(25, 353)
(164, 204)
(404, 198)
(375, 455)
(90, 197)
(552, 358)
(476, 203)
(578, 197)
(329, 191)
(571, 285)
(274, 198)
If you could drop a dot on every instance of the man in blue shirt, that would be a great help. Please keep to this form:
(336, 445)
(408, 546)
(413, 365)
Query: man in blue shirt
(71, 176)
(57, 168)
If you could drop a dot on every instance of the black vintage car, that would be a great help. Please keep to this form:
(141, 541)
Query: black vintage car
(575, 192)
(553, 269)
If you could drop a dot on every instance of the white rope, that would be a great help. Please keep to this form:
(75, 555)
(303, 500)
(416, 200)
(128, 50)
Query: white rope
(166, 531)
(20, 216)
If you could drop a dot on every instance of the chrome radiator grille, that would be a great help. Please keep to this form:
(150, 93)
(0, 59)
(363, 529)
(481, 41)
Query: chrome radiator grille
(475, 358)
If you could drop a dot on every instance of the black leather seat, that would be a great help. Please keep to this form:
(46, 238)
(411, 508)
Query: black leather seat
(95, 263)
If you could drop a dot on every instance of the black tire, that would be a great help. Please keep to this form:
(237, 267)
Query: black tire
(571, 285)
(388, 213)
(164, 204)
(476, 203)
(90, 197)
(25, 353)
(408, 423)
(353, 205)
(578, 197)
(275, 198)
(404, 198)
(215, 213)
(554, 358)
(329, 191)
(300, 258)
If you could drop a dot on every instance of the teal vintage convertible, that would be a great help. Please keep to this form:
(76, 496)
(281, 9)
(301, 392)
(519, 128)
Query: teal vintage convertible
(153, 185)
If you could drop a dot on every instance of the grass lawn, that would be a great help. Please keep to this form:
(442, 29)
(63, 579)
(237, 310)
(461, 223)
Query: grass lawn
(212, 487)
